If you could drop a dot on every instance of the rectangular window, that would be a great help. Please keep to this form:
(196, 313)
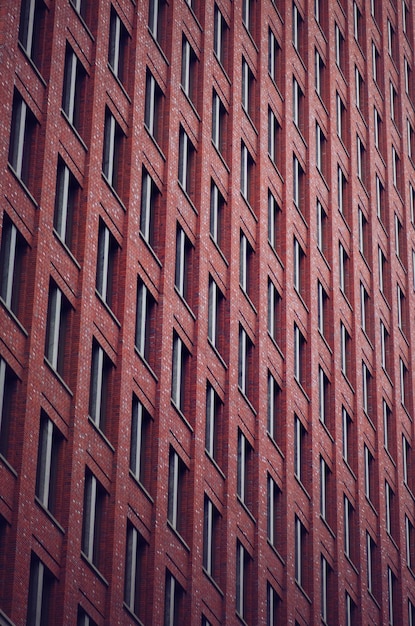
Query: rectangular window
(243, 582)
(214, 408)
(145, 329)
(248, 15)
(346, 436)
(216, 316)
(370, 562)
(360, 92)
(135, 571)
(211, 540)
(344, 261)
(274, 512)
(394, 105)
(376, 65)
(184, 254)
(298, 185)
(49, 447)
(407, 462)
(326, 576)
(392, 583)
(247, 174)
(83, 618)
(40, 594)
(364, 309)
(245, 374)
(187, 165)
(153, 112)
(8, 401)
(157, 19)
(180, 374)
(401, 309)
(384, 347)
(396, 167)
(325, 484)
(106, 265)
(369, 474)
(322, 228)
(299, 356)
(274, 57)
(390, 509)
(345, 350)
(176, 508)
(57, 330)
(140, 443)
(93, 519)
(247, 88)
(300, 551)
(399, 238)
(274, 219)
(387, 426)
(341, 118)
(217, 215)
(245, 470)
(189, 71)
(319, 75)
(13, 266)
(22, 148)
(323, 397)
(298, 105)
(322, 310)
(410, 543)
(112, 153)
(274, 137)
(66, 203)
(300, 450)
(404, 383)
(274, 408)
(349, 529)
(219, 120)
(246, 259)
(361, 160)
(220, 37)
(341, 191)
(367, 392)
(274, 311)
(273, 606)
(363, 234)
(298, 30)
(32, 29)
(118, 47)
(378, 132)
(380, 199)
(321, 150)
(73, 95)
(100, 386)
(299, 267)
(174, 602)
(150, 211)
(340, 47)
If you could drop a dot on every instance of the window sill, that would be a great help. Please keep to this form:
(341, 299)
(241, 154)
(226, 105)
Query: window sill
(303, 488)
(74, 130)
(188, 198)
(66, 248)
(276, 552)
(181, 414)
(277, 256)
(58, 376)
(114, 192)
(82, 21)
(147, 364)
(303, 591)
(107, 308)
(4, 620)
(140, 484)
(153, 252)
(300, 385)
(94, 568)
(50, 515)
(276, 446)
(14, 317)
(213, 581)
(249, 118)
(216, 465)
(132, 615)
(247, 400)
(178, 535)
(218, 354)
(23, 185)
(217, 246)
(186, 304)
(101, 434)
(221, 156)
(32, 64)
(119, 83)
(8, 466)
(246, 509)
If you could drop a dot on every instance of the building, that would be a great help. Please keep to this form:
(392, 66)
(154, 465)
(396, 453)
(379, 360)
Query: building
(207, 297)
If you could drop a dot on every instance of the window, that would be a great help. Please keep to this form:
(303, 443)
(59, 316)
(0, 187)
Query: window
(298, 105)
(184, 254)
(341, 191)
(153, 113)
(396, 168)
(274, 408)
(299, 267)
(274, 140)
(357, 23)
(392, 42)
(340, 48)
(73, 95)
(410, 139)
(106, 265)
(247, 88)
(399, 238)
(325, 492)
(411, 613)
(401, 309)
(298, 185)
(8, 401)
(174, 602)
(319, 78)
(298, 30)
(273, 606)
(180, 374)
(189, 71)
(100, 385)
(13, 266)
(323, 397)
(392, 583)
(246, 260)
(409, 79)
(219, 118)
(376, 65)
(135, 571)
(360, 94)
(345, 350)
(350, 611)
(321, 150)
(274, 57)
(216, 316)
(217, 215)
(23, 135)
(243, 581)
(384, 347)
(346, 436)
(40, 595)
(370, 564)
(145, 330)
(367, 382)
(93, 519)
(118, 47)
(150, 211)
(83, 617)
(211, 539)
(274, 311)
(412, 202)
(326, 591)
(247, 174)
(112, 153)
(274, 513)
(248, 15)
(300, 450)
(176, 507)
(369, 474)
(300, 551)
(390, 509)
(299, 356)
(394, 104)
(349, 529)
(274, 219)
(214, 408)
(405, 17)
(322, 310)
(245, 373)
(33, 30)
(407, 462)
(410, 543)
(404, 383)
(57, 330)
(380, 199)
(50, 441)
(157, 19)
(66, 202)
(364, 309)
(340, 118)
(363, 234)
(187, 165)
(220, 37)
(140, 443)
(361, 160)
(388, 426)
(322, 228)
(245, 470)
(344, 262)
(378, 132)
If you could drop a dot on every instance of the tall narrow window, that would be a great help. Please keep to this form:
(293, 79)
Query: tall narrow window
(140, 443)
(243, 582)
(390, 509)
(376, 65)
(157, 17)
(245, 264)
(57, 329)
(404, 383)
(247, 174)
(341, 191)
(274, 305)
(361, 160)
(217, 215)
(384, 347)
(211, 539)
(180, 374)
(298, 185)
(339, 47)
(346, 436)
(106, 265)
(322, 228)
(364, 309)
(340, 118)
(345, 350)
(219, 117)
(32, 29)
(215, 315)
(325, 483)
(321, 149)
(248, 15)
(359, 88)
(153, 114)
(299, 356)
(369, 474)
(187, 156)
(220, 37)
(245, 470)
(349, 529)
(410, 543)
(73, 96)
(370, 562)
(145, 333)
(299, 267)
(343, 270)
(367, 381)
(174, 602)
(8, 398)
(214, 407)
(189, 71)
(117, 49)
(274, 219)
(13, 257)
(22, 148)
(135, 571)
(322, 310)
(245, 372)
(47, 464)
(274, 132)
(176, 508)
(66, 199)
(41, 583)
(112, 152)
(274, 514)
(363, 225)
(300, 450)
(273, 606)
(247, 88)
(325, 592)
(274, 408)
(93, 519)
(150, 211)
(298, 30)
(274, 54)
(319, 75)
(300, 537)
(387, 426)
(298, 105)
(323, 397)
(184, 255)
(407, 462)
(100, 386)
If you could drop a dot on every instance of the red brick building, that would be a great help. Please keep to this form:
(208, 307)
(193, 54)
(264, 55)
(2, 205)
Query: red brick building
(207, 312)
